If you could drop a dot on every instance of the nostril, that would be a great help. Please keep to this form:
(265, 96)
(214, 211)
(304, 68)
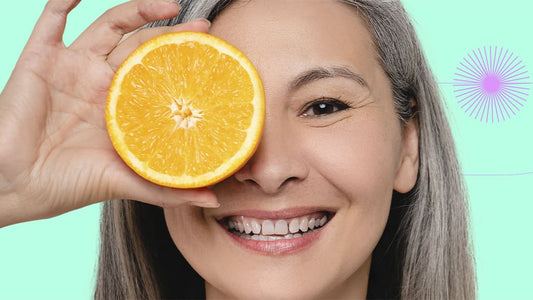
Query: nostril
(290, 179)
(270, 173)
(251, 182)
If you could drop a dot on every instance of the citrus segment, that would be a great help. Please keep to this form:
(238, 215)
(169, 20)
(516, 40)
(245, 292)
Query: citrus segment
(185, 110)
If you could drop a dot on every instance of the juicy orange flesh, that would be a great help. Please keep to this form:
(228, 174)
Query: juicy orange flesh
(186, 127)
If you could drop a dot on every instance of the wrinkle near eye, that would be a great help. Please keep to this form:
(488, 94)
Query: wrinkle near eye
(339, 97)
(319, 122)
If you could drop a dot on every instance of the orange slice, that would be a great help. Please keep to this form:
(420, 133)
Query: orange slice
(186, 110)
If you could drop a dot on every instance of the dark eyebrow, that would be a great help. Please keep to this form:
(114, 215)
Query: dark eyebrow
(318, 73)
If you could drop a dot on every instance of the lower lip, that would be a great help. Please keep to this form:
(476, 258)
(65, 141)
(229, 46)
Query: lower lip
(278, 247)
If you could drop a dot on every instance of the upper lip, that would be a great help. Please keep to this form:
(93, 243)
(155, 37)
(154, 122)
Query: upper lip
(288, 213)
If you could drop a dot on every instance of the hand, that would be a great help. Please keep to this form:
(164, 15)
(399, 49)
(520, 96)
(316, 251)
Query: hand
(55, 154)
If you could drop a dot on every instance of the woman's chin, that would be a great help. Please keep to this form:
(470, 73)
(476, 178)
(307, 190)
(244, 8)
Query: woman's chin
(291, 280)
(270, 287)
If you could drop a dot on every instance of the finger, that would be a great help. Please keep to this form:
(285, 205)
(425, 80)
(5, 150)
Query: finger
(106, 32)
(119, 54)
(51, 24)
(131, 186)
(168, 197)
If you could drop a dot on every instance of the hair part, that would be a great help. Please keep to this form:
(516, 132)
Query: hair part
(425, 251)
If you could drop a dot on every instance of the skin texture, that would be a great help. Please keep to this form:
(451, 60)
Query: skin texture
(346, 160)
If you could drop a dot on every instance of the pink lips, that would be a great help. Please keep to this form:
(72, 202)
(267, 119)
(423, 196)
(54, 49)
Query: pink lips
(278, 243)
(278, 247)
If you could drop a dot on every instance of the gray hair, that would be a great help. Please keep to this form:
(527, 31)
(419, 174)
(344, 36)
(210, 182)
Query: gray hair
(429, 243)
(438, 261)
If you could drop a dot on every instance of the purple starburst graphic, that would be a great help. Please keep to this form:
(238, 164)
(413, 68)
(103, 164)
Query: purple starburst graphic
(492, 84)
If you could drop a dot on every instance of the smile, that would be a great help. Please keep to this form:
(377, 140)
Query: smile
(276, 236)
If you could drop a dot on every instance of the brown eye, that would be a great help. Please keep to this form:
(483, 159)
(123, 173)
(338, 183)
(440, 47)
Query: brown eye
(324, 107)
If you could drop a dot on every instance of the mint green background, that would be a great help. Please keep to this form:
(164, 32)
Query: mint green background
(56, 258)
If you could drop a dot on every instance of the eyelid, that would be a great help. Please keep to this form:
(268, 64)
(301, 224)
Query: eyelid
(328, 100)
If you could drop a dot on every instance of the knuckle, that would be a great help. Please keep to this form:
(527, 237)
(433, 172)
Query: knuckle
(61, 7)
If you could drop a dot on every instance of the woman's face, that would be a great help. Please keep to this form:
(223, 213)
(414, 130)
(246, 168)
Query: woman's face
(331, 154)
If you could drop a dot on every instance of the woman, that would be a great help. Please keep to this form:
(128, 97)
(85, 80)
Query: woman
(356, 161)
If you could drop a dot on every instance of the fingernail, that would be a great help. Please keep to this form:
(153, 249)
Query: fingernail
(206, 21)
(173, 2)
(205, 204)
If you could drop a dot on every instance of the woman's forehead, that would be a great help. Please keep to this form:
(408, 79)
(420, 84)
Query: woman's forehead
(289, 37)
(300, 19)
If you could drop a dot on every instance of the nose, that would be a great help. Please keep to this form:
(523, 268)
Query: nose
(276, 163)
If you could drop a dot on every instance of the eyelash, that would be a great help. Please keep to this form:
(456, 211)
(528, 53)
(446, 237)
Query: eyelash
(324, 104)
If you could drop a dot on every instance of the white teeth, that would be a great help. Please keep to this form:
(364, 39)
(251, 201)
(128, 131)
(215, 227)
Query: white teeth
(258, 237)
(256, 228)
(281, 227)
(323, 220)
(267, 227)
(294, 225)
(311, 223)
(304, 224)
(247, 227)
